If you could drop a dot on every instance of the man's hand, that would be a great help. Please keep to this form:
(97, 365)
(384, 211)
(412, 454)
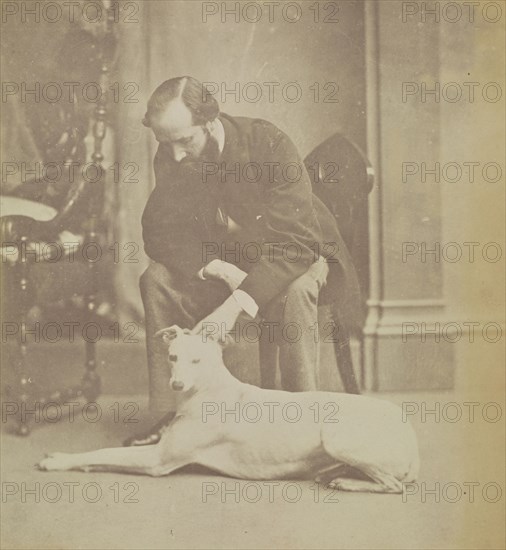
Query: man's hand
(230, 274)
(220, 321)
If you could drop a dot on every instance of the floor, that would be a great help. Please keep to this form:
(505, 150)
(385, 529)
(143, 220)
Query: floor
(195, 508)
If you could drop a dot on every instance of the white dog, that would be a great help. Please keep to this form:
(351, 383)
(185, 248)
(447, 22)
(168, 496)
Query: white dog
(350, 442)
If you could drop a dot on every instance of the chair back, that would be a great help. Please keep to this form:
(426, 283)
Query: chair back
(342, 177)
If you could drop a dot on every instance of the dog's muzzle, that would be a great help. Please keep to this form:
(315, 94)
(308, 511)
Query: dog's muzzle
(177, 385)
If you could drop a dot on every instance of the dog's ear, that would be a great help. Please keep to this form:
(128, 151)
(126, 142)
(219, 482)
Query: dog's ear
(168, 334)
(219, 338)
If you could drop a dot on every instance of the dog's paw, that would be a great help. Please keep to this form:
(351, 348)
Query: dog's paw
(342, 484)
(54, 461)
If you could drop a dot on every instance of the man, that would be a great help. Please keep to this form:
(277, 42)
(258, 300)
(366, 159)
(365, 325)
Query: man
(233, 229)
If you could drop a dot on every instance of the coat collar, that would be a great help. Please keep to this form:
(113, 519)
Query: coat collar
(232, 138)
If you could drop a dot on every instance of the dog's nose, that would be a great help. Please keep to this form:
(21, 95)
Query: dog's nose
(177, 385)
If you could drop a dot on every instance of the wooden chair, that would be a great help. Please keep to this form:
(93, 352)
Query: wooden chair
(342, 178)
(26, 225)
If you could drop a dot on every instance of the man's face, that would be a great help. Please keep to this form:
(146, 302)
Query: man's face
(175, 131)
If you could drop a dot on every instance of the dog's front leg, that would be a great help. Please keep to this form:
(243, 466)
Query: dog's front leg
(139, 460)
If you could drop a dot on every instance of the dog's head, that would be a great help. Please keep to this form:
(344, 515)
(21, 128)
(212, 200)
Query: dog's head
(191, 356)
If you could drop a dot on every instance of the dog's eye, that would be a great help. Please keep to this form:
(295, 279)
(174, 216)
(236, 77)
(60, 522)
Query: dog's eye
(172, 358)
(195, 361)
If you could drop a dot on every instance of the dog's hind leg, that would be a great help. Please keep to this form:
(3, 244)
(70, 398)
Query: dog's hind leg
(327, 475)
(380, 482)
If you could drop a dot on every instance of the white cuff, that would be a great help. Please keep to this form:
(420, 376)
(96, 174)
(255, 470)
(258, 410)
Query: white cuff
(246, 302)
(200, 274)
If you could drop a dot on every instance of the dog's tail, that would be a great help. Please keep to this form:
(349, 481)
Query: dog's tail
(414, 466)
(414, 469)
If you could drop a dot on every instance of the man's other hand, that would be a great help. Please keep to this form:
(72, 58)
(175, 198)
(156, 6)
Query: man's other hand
(230, 274)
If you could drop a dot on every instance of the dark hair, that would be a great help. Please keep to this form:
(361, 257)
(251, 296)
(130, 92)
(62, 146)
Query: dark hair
(193, 94)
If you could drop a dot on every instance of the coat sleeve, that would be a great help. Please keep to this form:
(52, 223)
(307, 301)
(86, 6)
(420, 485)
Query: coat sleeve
(291, 231)
(178, 220)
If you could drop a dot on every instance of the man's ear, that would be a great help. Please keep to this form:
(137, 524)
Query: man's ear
(168, 334)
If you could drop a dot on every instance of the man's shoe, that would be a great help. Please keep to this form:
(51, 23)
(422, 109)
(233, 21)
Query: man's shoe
(151, 436)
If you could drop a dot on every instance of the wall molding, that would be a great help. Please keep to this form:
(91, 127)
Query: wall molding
(392, 359)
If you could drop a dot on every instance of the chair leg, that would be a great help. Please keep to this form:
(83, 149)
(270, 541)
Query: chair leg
(24, 391)
(90, 383)
(268, 358)
(344, 361)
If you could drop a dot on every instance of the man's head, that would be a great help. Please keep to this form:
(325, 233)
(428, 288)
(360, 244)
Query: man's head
(182, 115)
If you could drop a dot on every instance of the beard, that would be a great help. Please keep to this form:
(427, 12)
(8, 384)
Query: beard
(194, 167)
(211, 150)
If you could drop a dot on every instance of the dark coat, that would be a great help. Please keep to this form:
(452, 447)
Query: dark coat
(260, 182)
